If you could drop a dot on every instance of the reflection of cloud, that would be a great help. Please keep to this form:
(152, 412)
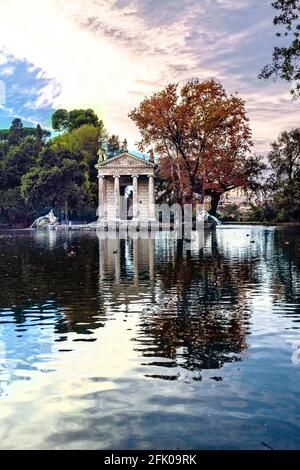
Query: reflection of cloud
(109, 54)
(5, 374)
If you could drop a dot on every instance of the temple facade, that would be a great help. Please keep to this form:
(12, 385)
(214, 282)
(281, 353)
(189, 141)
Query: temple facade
(126, 189)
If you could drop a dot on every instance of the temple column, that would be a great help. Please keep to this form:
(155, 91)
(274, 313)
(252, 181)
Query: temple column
(117, 195)
(102, 197)
(135, 213)
(151, 198)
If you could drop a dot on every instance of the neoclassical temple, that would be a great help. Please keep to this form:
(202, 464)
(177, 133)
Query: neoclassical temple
(126, 189)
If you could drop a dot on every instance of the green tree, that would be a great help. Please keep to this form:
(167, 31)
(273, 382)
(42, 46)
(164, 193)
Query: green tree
(41, 134)
(83, 132)
(88, 140)
(230, 212)
(284, 157)
(13, 208)
(18, 153)
(38, 132)
(15, 132)
(66, 121)
(113, 146)
(57, 181)
(286, 59)
(17, 160)
(79, 117)
(60, 120)
(37, 173)
(284, 180)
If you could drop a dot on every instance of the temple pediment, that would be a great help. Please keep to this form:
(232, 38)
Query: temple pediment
(126, 163)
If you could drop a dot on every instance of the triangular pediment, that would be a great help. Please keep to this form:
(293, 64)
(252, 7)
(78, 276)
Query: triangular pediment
(125, 160)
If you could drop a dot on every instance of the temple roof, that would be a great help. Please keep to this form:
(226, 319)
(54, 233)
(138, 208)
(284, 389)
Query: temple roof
(126, 163)
(137, 153)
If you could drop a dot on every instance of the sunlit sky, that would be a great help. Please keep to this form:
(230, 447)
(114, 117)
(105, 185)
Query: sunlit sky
(109, 54)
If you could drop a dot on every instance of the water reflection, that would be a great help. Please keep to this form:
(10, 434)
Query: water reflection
(193, 306)
(112, 316)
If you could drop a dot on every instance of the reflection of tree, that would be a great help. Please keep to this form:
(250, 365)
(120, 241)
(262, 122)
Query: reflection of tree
(194, 303)
(285, 267)
(201, 324)
(57, 281)
(207, 344)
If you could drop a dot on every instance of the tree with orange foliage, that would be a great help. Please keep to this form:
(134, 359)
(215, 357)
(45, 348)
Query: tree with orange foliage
(201, 135)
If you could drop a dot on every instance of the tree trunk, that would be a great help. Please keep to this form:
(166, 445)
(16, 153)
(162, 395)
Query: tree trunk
(215, 199)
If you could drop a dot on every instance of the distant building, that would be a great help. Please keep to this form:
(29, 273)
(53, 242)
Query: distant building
(236, 197)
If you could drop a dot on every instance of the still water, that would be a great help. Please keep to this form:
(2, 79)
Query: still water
(145, 344)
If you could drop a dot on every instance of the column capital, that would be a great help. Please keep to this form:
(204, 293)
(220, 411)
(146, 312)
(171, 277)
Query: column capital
(116, 175)
(134, 175)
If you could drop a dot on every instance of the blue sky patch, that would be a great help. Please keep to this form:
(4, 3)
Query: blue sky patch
(23, 84)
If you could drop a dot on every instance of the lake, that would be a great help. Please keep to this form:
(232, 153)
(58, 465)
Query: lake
(145, 343)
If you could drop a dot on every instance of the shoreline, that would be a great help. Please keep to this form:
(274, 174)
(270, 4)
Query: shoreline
(267, 224)
(158, 226)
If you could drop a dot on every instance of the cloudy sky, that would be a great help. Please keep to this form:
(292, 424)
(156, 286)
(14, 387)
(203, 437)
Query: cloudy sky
(109, 54)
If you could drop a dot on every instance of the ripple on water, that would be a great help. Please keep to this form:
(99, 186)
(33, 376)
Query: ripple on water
(150, 346)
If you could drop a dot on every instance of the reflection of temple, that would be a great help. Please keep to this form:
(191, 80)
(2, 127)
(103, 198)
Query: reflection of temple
(128, 262)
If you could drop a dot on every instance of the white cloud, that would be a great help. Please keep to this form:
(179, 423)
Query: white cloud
(2, 94)
(3, 59)
(7, 71)
(233, 4)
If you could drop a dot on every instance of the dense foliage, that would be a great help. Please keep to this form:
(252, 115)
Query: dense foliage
(282, 189)
(39, 173)
(63, 120)
(19, 150)
(277, 198)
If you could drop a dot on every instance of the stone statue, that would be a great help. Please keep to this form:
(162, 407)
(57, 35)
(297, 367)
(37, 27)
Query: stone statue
(204, 216)
(44, 221)
(151, 156)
